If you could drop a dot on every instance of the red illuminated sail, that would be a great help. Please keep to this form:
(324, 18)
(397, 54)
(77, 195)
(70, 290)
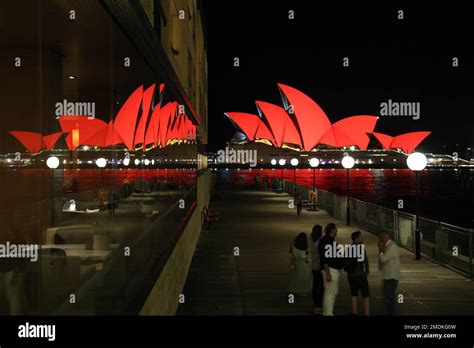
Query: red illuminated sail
(92, 131)
(407, 141)
(311, 119)
(146, 102)
(126, 119)
(166, 118)
(112, 137)
(350, 131)
(151, 136)
(51, 139)
(30, 140)
(251, 125)
(281, 125)
(384, 139)
(247, 123)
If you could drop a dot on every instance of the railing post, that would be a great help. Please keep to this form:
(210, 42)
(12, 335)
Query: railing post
(379, 218)
(438, 243)
(395, 227)
(471, 232)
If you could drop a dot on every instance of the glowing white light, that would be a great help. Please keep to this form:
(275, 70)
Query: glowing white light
(101, 162)
(137, 161)
(126, 161)
(52, 162)
(282, 162)
(314, 162)
(294, 162)
(348, 162)
(273, 162)
(147, 162)
(417, 161)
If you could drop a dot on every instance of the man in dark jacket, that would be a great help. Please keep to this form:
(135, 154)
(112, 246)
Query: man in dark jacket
(357, 269)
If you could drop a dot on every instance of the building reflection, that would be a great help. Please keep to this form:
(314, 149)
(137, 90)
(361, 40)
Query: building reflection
(106, 230)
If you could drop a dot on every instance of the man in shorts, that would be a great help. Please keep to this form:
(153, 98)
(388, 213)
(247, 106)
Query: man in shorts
(357, 270)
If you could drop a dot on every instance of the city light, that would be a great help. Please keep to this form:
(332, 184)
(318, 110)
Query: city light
(52, 162)
(348, 162)
(294, 162)
(417, 161)
(314, 162)
(273, 162)
(101, 162)
(282, 162)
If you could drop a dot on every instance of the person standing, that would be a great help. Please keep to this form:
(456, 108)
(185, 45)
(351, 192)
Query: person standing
(389, 265)
(299, 201)
(265, 182)
(257, 182)
(318, 286)
(357, 272)
(300, 276)
(331, 267)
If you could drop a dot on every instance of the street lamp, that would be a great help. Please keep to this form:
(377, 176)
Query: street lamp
(282, 162)
(273, 163)
(348, 163)
(101, 162)
(314, 163)
(294, 162)
(52, 162)
(417, 162)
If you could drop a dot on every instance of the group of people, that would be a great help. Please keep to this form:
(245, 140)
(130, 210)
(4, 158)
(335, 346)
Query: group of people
(316, 268)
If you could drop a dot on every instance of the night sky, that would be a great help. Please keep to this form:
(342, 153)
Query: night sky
(407, 60)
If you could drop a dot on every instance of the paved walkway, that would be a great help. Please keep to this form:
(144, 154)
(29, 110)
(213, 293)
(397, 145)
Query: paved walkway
(262, 226)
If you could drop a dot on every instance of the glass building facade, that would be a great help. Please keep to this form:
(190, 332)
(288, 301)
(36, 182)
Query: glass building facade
(92, 230)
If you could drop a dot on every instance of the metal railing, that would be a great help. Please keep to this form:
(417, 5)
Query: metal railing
(447, 244)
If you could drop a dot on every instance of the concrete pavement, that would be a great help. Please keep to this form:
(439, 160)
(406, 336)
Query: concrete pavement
(262, 226)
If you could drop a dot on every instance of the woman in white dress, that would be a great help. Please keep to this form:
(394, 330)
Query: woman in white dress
(301, 282)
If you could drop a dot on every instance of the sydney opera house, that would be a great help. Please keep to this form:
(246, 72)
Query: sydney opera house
(159, 126)
(302, 125)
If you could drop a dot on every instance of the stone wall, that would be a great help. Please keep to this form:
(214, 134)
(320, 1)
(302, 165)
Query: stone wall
(163, 298)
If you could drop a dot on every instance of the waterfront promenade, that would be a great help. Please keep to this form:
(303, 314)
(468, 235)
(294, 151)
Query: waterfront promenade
(262, 226)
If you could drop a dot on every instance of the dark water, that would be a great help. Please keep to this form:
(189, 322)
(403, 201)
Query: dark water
(441, 196)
